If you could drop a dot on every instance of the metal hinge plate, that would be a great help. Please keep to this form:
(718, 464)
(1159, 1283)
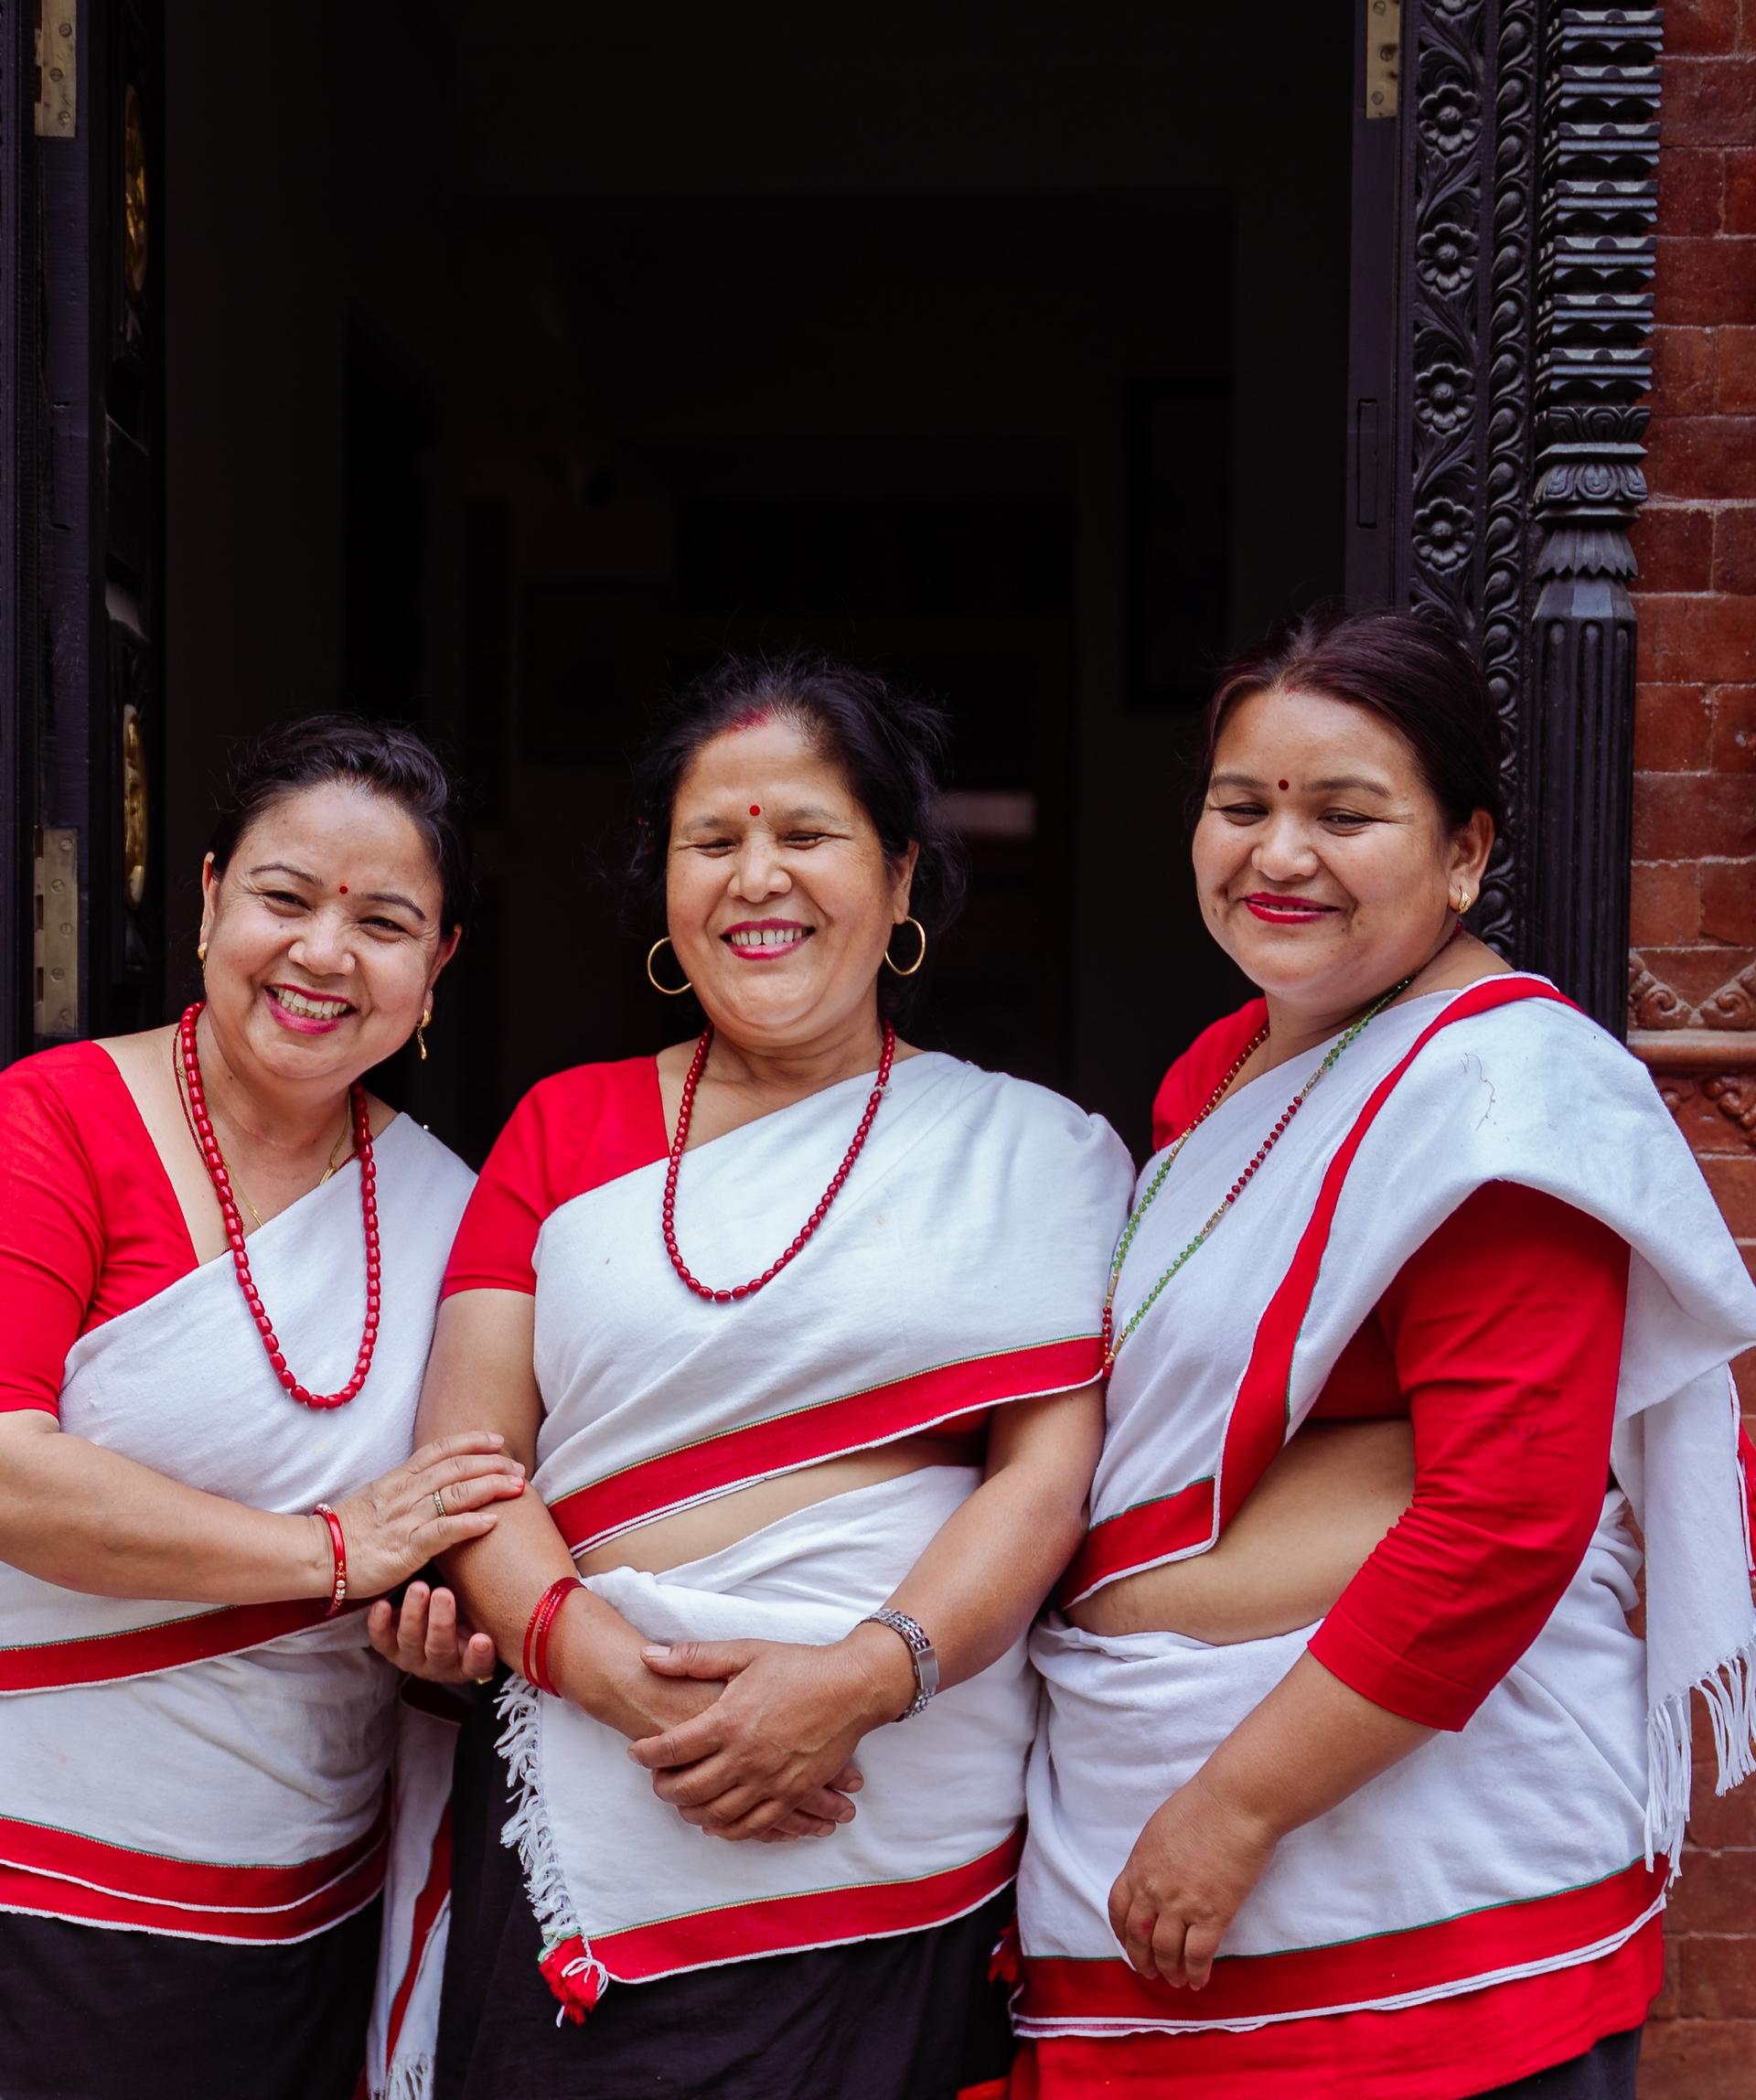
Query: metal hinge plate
(58, 69)
(1383, 56)
(55, 940)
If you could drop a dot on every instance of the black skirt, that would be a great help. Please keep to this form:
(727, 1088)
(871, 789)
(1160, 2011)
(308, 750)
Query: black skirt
(89, 2014)
(1605, 2073)
(910, 2018)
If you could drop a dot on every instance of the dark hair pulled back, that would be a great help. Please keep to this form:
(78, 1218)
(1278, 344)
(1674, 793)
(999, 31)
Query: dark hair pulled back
(321, 750)
(891, 747)
(1407, 670)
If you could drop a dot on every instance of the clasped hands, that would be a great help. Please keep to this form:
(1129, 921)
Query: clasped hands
(768, 1752)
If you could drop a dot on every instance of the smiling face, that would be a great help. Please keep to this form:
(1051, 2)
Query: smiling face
(778, 898)
(324, 936)
(1325, 866)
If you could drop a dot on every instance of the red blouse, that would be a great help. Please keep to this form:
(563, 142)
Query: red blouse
(571, 1133)
(90, 1225)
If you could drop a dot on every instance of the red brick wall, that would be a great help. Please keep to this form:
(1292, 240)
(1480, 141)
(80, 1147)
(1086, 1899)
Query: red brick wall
(1694, 902)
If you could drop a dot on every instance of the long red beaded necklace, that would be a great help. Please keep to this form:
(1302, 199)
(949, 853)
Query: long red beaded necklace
(214, 1160)
(685, 1110)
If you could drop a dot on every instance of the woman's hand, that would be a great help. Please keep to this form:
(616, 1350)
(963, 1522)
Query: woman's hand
(779, 1739)
(424, 1637)
(440, 1497)
(1191, 1867)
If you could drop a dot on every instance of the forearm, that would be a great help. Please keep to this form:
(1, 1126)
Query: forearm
(92, 1520)
(1304, 1750)
(593, 1654)
(983, 1576)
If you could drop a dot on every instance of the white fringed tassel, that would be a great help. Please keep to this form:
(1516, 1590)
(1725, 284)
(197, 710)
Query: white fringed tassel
(410, 2080)
(1729, 1690)
(574, 1974)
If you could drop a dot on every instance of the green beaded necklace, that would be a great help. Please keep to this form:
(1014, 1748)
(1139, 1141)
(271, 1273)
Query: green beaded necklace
(1113, 1341)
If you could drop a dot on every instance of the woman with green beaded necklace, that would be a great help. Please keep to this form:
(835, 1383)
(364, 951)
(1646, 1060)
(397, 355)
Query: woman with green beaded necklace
(1352, 1777)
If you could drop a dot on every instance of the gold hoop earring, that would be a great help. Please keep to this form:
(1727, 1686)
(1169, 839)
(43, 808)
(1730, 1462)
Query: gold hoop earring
(420, 1031)
(669, 991)
(201, 953)
(919, 958)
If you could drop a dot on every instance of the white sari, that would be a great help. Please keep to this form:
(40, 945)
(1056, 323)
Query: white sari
(1539, 1834)
(960, 1268)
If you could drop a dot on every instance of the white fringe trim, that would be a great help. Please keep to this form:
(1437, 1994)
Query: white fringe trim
(1729, 1690)
(526, 1827)
(412, 2079)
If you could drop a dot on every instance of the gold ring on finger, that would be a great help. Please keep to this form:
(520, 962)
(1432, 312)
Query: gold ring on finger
(439, 1502)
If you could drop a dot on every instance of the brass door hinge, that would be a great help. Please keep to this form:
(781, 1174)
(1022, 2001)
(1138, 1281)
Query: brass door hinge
(55, 940)
(57, 68)
(1383, 56)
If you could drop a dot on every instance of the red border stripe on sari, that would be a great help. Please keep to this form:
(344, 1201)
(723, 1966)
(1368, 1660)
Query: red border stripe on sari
(1447, 1954)
(427, 1906)
(142, 1651)
(153, 1877)
(1139, 1537)
(327, 1890)
(855, 1421)
(1156, 1531)
(819, 1918)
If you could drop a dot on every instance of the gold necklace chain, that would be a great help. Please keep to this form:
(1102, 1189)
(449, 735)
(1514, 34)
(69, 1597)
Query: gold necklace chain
(334, 1165)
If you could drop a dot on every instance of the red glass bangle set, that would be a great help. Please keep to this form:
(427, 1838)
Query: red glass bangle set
(535, 1661)
(339, 1547)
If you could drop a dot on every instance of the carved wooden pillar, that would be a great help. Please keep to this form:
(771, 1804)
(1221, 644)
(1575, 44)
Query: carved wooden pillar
(1594, 366)
(1529, 190)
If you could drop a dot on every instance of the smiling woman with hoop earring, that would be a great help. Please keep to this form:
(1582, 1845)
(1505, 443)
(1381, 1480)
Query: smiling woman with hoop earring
(799, 1328)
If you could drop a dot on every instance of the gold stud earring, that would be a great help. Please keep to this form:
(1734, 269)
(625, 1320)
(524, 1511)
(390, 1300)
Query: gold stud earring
(420, 1031)
(201, 953)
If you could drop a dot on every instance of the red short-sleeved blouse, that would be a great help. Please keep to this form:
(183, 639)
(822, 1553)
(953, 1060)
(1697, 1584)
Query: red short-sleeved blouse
(90, 1225)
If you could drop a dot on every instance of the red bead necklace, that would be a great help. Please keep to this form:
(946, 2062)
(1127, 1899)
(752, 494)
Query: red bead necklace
(214, 1160)
(686, 1109)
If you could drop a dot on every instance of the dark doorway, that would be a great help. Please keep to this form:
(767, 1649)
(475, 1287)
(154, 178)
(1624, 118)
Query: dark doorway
(1007, 358)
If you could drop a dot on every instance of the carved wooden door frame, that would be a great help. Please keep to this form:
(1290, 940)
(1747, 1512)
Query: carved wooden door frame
(1526, 195)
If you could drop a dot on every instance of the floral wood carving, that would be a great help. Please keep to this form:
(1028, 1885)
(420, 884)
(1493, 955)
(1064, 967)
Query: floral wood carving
(1470, 167)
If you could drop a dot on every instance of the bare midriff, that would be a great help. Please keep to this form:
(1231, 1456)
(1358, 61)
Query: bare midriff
(1315, 1516)
(667, 1542)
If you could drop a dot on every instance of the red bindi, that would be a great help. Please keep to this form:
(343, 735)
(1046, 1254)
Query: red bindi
(755, 809)
(1283, 786)
(344, 889)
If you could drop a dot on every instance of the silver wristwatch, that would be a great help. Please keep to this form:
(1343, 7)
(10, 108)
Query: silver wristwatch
(921, 1653)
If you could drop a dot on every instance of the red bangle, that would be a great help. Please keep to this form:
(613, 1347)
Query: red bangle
(536, 1634)
(338, 1547)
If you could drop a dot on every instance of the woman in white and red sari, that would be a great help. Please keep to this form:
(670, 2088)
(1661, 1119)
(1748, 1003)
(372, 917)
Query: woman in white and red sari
(795, 1326)
(1354, 1779)
(220, 1258)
